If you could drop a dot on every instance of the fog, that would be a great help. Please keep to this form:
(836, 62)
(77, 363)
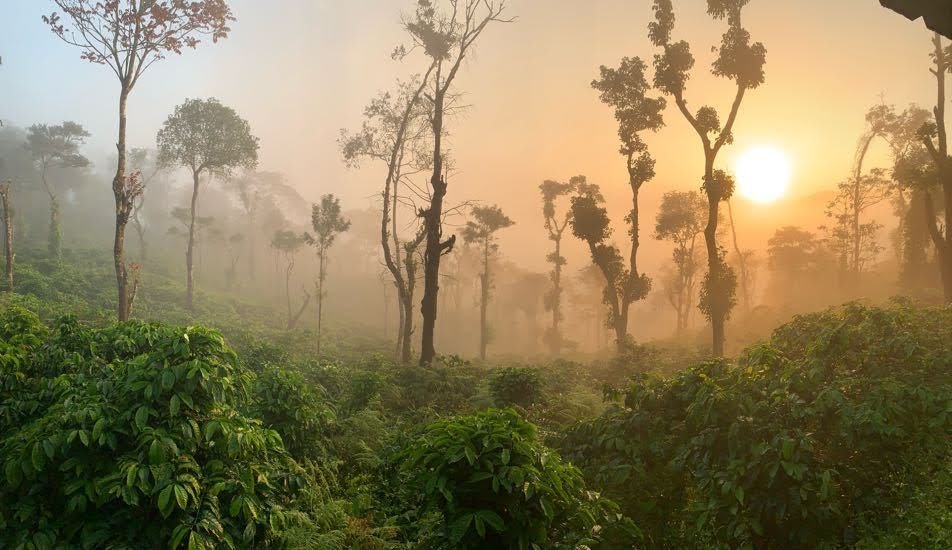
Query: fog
(301, 72)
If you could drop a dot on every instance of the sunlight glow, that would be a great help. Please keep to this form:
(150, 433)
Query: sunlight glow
(763, 174)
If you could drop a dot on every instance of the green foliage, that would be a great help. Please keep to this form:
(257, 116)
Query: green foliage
(203, 134)
(497, 486)
(133, 434)
(286, 403)
(790, 446)
(520, 386)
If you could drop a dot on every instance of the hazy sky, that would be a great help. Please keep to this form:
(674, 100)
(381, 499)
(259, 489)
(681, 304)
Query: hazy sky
(300, 70)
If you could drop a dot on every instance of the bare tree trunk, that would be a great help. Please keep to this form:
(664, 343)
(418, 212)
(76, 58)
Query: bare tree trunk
(293, 321)
(190, 250)
(714, 262)
(401, 315)
(320, 298)
(943, 244)
(556, 343)
(122, 215)
(287, 287)
(7, 233)
(433, 224)
(484, 303)
(741, 262)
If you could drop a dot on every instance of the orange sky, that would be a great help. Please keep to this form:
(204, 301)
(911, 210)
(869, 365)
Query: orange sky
(300, 70)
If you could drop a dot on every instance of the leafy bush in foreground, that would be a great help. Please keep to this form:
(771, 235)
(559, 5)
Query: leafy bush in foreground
(497, 486)
(132, 436)
(790, 446)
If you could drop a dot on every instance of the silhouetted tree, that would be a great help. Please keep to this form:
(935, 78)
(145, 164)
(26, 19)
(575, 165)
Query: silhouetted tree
(481, 231)
(394, 131)
(624, 89)
(142, 161)
(914, 175)
(446, 37)
(855, 242)
(590, 223)
(327, 222)
(737, 60)
(745, 260)
(935, 138)
(129, 36)
(8, 251)
(56, 146)
(555, 226)
(800, 265)
(288, 243)
(231, 273)
(680, 219)
(205, 137)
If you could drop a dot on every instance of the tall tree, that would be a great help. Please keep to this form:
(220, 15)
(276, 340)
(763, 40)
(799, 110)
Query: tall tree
(327, 222)
(555, 226)
(394, 132)
(800, 264)
(935, 138)
(205, 137)
(856, 242)
(129, 36)
(742, 62)
(680, 219)
(745, 260)
(590, 224)
(288, 243)
(481, 231)
(624, 89)
(8, 250)
(145, 163)
(914, 175)
(56, 146)
(446, 37)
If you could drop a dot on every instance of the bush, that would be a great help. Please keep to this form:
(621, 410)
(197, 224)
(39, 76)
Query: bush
(133, 435)
(791, 445)
(520, 386)
(497, 486)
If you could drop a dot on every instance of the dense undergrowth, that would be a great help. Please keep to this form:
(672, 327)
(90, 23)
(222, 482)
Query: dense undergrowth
(835, 432)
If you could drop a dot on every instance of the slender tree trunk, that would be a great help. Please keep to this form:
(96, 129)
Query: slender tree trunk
(433, 223)
(287, 288)
(714, 262)
(7, 233)
(55, 244)
(556, 344)
(190, 250)
(54, 238)
(140, 233)
(484, 303)
(741, 262)
(320, 298)
(122, 215)
(401, 316)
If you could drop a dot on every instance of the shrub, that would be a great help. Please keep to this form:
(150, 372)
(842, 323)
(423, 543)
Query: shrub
(133, 435)
(520, 386)
(790, 445)
(497, 486)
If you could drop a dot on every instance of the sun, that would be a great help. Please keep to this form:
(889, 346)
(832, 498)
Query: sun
(763, 173)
